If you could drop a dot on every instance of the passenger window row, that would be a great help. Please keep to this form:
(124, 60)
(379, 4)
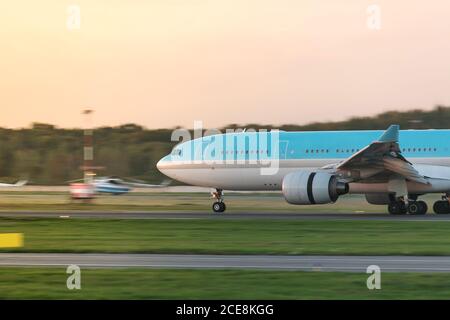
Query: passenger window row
(327, 150)
(356, 150)
(418, 149)
(245, 151)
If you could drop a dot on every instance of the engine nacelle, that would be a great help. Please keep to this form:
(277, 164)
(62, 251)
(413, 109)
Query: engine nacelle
(310, 187)
(378, 198)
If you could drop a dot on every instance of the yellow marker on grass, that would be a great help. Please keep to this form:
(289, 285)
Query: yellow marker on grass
(11, 240)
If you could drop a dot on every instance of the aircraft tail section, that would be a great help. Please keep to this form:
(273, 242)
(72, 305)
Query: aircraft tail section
(20, 183)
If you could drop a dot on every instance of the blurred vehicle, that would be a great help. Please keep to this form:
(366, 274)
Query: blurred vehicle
(82, 191)
(111, 185)
(318, 167)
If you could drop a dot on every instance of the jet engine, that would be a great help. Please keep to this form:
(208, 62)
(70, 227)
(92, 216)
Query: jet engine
(311, 187)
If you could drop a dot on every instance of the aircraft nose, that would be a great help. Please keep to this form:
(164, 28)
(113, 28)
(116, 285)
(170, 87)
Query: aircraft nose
(162, 163)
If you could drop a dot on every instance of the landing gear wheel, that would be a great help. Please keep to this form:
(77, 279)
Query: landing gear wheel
(218, 207)
(397, 207)
(413, 208)
(403, 208)
(394, 208)
(423, 207)
(417, 207)
(441, 207)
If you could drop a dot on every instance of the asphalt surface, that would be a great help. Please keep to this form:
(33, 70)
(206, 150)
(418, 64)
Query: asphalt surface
(228, 215)
(306, 263)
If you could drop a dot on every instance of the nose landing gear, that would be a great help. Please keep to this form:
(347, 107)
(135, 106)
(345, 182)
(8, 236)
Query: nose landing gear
(219, 205)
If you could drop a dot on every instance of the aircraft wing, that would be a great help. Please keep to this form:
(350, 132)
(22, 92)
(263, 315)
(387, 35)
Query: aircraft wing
(19, 183)
(383, 155)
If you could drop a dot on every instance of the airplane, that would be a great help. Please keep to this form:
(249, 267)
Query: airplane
(19, 183)
(116, 186)
(392, 167)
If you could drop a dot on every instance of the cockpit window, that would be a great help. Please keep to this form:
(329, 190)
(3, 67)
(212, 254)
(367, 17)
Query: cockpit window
(176, 152)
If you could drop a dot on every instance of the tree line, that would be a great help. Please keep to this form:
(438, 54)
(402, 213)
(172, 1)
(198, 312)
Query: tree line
(46, 154)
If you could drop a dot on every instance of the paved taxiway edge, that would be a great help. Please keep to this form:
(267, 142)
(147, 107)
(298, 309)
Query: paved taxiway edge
(263, 262)
(229, 215)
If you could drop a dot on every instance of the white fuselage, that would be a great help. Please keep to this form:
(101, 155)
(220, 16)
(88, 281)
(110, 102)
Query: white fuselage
(239, 165)
(249, 177)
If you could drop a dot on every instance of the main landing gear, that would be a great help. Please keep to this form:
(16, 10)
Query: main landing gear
(412, 207)
(442, 206)
(219, 205)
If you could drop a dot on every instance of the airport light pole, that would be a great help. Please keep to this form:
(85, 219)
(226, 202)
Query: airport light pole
(88, 149)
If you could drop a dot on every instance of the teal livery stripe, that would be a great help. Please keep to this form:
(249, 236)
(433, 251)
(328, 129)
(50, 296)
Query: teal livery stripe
(307, 145)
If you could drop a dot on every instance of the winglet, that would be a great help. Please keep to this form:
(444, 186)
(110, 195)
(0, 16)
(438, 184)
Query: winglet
(391, 134)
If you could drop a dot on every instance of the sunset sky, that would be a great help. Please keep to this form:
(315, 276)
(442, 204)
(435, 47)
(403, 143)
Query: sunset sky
(162, 63)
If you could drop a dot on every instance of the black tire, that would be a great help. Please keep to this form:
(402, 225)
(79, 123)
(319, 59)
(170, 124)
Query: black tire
(403, 208)
(397, 207)
(394, 208)
(424, 207)
(217, 207)
(417, 207)
(414, 208)
(441, 207)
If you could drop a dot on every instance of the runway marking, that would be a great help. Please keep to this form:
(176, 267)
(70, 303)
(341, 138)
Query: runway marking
(11, 240)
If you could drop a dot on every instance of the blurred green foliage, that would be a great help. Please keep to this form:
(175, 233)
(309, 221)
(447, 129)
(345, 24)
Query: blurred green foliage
(45, 154)
(134, 283)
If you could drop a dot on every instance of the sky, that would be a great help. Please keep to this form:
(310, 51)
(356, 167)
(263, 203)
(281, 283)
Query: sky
(167, 63)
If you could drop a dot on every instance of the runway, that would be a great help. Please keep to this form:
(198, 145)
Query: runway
(229, 215)
(305, 263)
